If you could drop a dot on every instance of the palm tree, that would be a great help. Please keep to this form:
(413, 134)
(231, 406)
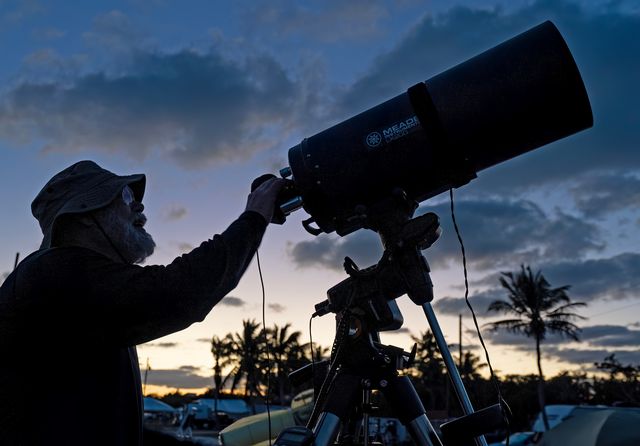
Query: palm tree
(246, 348)
(221, 350)
(318, 353)
(470, 366)
(431, 371)
(537, 309)
(286, 355)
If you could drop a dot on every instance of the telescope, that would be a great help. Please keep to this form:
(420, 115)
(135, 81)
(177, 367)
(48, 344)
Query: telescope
(371, 171)
(520, 95)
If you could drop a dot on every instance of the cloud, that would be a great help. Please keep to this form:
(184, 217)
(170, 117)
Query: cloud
(175, 212)
(600, 195)
(353, 20)
(520, 341)
(616, 278)
(612, 278)
(184, 377)
(232, 301)
(604, 43)
(607, 337)
(589, 356)
(457, 305)
(610, 336)
(197, 108)
(276, 307)
(329, 251)
(498, 233)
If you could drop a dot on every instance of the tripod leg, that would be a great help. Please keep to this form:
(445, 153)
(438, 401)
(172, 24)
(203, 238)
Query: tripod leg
(404, 401)
(341, 397)
(454, 374)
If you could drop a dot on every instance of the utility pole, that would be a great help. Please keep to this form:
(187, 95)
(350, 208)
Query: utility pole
(146, 372)
(15, 264)
(460, 341)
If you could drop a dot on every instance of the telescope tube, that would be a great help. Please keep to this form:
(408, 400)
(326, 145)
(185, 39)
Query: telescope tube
(508, 100)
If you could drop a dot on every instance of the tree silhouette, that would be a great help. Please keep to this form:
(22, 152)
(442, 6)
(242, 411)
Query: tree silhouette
(287, 355)
(537, 309)
(320, 352)
(221, 350)
(470, 367)
(430, 370)
(246, 348)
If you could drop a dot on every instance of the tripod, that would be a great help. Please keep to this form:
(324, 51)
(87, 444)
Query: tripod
(364, 305)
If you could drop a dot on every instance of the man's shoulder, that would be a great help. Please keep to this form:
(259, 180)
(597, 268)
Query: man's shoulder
(59, 256)
(47, 266)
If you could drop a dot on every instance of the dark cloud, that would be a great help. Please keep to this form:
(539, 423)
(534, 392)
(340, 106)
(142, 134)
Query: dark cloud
(501, 233)
(232, 301)
(520, 341)
(589, 356)
(593, 336)
(276, 307)
(195, 107)
(457, 305)
(617, 277)
(604, 336)
(329, 251)
(605, 44)
(599, 195)
(610, 336)
(497, 233)
(612, 278)
(184, 377)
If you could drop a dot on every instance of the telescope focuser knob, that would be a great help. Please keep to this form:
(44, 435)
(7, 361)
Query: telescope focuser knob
(286, 172)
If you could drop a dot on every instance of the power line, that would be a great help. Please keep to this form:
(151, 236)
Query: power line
(614, 310)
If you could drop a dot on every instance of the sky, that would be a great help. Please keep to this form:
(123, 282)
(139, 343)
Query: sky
(204, 96)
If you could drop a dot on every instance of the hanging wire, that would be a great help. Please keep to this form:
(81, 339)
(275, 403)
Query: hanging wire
(266, 343)
(494, 379)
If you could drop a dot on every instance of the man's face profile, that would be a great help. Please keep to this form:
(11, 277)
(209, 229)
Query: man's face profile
(123, 221)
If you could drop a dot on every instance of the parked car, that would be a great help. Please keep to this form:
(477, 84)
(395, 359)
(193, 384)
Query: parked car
(556, 415)
(157, 412)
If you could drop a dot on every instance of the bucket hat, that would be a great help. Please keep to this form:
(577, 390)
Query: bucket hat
(81, 187)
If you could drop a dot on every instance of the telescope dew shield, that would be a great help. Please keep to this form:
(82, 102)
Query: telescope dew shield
(513, 98)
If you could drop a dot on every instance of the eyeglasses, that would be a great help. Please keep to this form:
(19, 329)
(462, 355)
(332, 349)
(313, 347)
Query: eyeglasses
(127, 196)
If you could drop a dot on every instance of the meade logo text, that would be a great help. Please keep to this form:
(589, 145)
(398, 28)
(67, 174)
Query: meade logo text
(400, 129)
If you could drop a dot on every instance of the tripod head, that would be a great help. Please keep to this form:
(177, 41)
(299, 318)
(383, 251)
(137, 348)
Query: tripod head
(371, 292)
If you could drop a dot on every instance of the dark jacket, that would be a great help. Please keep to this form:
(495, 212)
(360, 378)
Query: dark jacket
(69, 322)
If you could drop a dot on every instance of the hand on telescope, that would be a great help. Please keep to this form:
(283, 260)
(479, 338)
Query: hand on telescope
(263, 197)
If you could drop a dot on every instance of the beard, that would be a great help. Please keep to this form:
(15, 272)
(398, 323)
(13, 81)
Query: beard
(132, 242)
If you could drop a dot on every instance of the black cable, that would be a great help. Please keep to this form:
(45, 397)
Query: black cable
(313, 360)
(496, 384)
(266, 343)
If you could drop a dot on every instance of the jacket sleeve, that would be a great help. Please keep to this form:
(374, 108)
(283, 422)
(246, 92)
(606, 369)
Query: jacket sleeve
(130, 304)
